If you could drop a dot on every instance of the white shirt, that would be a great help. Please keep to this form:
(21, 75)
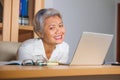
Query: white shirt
(32, 47)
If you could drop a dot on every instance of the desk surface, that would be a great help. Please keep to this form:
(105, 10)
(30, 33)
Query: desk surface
(12, 71)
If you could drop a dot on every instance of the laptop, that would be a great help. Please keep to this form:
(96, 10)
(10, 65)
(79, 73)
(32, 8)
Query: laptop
(92, 49)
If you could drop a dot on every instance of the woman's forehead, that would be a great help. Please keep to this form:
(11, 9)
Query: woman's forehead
(53, 19)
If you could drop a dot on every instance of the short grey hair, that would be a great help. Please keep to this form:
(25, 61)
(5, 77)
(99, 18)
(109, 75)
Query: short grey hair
(41, 16)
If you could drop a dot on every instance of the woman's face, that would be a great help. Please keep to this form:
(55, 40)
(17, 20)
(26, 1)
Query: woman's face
(53, 31)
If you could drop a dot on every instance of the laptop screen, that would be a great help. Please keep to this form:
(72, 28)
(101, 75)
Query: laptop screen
(92, 49)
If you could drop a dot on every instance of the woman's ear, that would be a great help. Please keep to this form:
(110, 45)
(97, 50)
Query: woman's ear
(39, 34)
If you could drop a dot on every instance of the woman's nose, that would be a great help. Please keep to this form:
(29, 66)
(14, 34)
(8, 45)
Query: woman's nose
(58, 30)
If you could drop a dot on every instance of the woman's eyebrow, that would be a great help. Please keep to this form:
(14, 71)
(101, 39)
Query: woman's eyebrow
(61, 22)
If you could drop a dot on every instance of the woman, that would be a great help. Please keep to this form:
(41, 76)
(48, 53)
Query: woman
(48, 26)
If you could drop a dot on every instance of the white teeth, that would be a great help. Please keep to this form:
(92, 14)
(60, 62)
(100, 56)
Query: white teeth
(58, 37)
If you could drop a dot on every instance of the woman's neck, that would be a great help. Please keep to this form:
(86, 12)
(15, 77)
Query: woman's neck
(48, 49)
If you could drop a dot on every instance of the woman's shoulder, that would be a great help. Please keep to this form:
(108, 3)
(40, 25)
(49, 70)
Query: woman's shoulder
(31, 42)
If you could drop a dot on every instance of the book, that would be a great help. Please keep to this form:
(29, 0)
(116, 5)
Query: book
(10, 63)
(23, 12)
(28, 63)
(1, 12)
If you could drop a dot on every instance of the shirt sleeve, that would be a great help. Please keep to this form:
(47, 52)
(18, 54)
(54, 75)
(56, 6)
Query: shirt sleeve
(30, 49)
(24, 53)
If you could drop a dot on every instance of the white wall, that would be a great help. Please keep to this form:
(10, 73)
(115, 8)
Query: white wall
(118, 1)
(87, 15)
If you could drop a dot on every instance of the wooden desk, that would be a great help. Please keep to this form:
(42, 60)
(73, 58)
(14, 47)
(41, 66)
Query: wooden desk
(10, 71)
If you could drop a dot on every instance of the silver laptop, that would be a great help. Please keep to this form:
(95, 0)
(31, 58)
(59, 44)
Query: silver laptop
(92, 49)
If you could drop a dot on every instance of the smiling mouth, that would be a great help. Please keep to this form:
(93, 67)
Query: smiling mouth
(58, 37)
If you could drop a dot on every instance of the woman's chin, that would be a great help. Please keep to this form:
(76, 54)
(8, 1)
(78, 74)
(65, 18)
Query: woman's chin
(59, 42)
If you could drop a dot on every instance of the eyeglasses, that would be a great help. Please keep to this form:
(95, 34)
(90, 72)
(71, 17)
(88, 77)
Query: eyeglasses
(40, 61)
(30, 62)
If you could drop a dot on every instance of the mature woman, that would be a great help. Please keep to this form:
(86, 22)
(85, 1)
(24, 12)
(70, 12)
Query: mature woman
(48, 25)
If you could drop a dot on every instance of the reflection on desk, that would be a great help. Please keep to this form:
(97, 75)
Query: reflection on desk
(15, 71)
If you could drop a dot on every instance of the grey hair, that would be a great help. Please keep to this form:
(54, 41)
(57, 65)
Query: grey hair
(41, 16)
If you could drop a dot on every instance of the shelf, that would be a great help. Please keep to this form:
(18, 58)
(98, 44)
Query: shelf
(10, 29)
(29, 28)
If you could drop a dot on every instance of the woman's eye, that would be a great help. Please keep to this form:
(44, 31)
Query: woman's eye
(61, 25)
(51, 27)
